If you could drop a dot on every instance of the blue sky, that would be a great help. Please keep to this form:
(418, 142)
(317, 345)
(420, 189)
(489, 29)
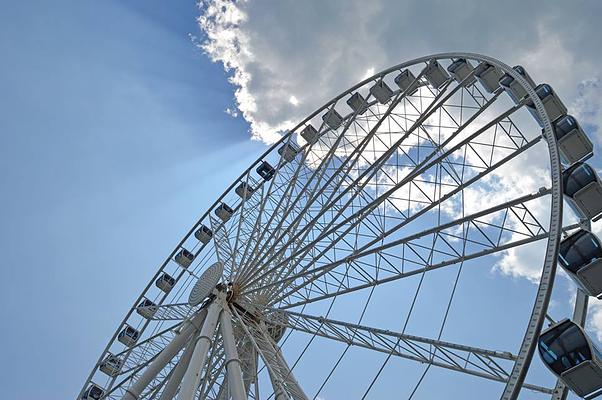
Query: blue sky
(111, 121)
(114, 139)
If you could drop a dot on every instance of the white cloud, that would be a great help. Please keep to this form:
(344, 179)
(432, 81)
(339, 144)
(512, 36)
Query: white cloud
(369, 72)
(315, 50)
(293, 100)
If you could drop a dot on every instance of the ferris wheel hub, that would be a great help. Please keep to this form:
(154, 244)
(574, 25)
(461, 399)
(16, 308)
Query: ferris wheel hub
(206, 283)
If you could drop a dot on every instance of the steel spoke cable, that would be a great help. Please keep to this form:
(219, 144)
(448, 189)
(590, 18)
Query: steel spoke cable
(346, 348)
(358, 150)
(425, 165)
(426, 209)
(371, 170)
(307, 345)
(362, 253)
(324, 162)
(407, 320)
(449, 303)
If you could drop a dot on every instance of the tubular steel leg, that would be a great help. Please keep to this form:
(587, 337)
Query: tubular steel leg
(192, 376)
(235, 383)
(169, 352)
(176, 377)
(279, 393)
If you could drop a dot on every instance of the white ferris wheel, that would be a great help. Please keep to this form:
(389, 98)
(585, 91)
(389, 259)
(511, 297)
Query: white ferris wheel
(351, 237)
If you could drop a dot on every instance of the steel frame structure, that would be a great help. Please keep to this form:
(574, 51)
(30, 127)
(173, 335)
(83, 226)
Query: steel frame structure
(344, 215)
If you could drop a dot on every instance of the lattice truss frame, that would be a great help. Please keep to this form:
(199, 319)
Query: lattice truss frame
(375, 200)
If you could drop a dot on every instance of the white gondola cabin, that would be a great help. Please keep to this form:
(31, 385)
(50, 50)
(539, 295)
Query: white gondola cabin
(265, 170)
(224, 212)
(358, 103)
(488, 76)
(146, 308)
(184, 258)
(310, 134)
(165, 282)
(461, 69)
(244, 190)
(288, 151)
(111, 365)
(332, 119)
(381, 92)
(128, 336)
(583, 190)
(93, 392)
(406, 81)
(514, 89)
(203, 234)
(551, 102)
(569, 353)
(435, 74)
(573, 143)
(580, 255)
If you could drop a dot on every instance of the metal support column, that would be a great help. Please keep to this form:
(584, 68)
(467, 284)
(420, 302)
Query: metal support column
(235, 382)
(192, 376)
(174, 380)
(169, 352)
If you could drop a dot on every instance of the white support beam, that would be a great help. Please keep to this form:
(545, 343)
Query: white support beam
(233, 366)
(192, 376)
(169, 352)
(178, 373)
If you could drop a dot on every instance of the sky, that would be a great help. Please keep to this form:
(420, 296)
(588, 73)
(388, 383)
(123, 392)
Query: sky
(122, 121)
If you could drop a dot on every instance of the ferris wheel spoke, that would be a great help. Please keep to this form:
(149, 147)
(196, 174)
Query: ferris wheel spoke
(353, 220)
(248, 203)
(356, 149)
(370, 171)
(316, 193)
(488, 364)
(420, 168)
(489, 231)
(268, 350)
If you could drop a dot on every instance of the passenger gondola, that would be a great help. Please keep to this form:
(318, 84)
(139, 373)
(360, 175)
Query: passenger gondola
(288, 151)
(165, 282)
(514, 89)
(244, 190)
(310, 134)
(358, 103)
(460, 69)
(93, 392)
(567, 351)
(332, 119)
(184, 258)
(488, 76)
(435, 74)
(381, 92)
(146, 308)
(405, 80)
(128, 336)
(111, 365)
(224, 212)
(203, 234)
(265, 170)
(554, 107)
(580, 255)
(583, 190)
(573, 143)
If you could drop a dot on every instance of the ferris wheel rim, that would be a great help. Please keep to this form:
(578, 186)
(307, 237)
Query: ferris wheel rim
(555, 225)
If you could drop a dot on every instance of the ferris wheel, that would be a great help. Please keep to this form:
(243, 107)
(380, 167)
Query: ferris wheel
(350, 257)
